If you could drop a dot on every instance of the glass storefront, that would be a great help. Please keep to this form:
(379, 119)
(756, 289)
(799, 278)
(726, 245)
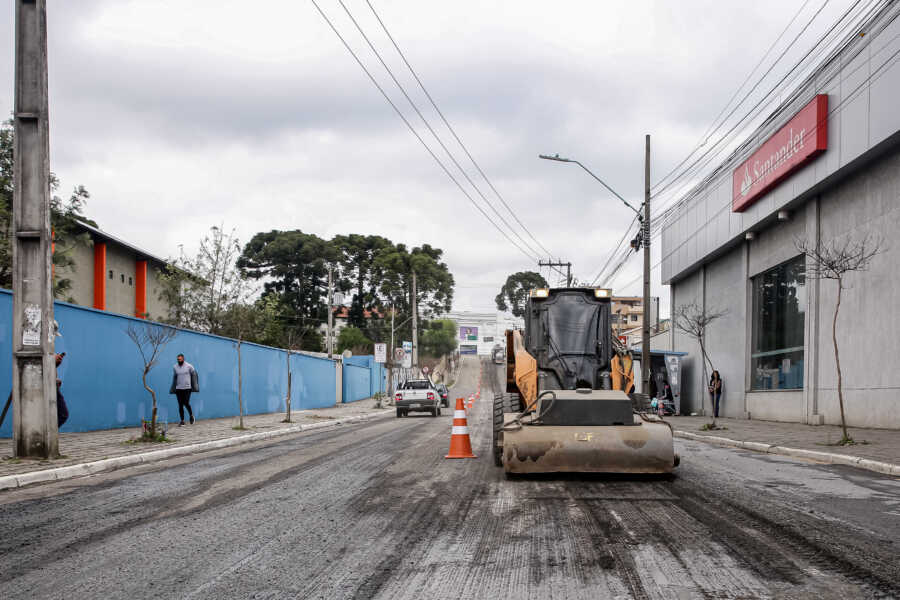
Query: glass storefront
(779, 316)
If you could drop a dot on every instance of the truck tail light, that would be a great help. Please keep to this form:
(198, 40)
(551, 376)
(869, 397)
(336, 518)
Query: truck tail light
(398, 396)
(430, 396)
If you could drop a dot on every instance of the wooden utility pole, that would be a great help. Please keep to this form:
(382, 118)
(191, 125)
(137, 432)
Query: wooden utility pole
(415, 326)
(35, 430)
(567, 265)
(330, 311)
(645, 333)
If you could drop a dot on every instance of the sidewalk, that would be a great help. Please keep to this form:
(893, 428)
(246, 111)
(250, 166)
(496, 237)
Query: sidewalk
(876, 449)
(90, 446)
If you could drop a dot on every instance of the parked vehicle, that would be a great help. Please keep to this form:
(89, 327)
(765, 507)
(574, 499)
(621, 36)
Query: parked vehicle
(417, 395)
(498, 354)
(445, 394)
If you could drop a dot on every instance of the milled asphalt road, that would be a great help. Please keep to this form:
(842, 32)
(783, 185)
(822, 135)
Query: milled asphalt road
(375, 511)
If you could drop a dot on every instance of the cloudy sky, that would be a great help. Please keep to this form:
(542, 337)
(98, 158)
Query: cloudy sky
(182, 115)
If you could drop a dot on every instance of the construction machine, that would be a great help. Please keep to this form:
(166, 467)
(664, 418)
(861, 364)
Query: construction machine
(569, 405)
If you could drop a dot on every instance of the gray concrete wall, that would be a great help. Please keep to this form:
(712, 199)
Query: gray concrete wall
(158, 309)
(687, 291)
(726, 340)
(868, 328)
(81, 274)
(119, 292)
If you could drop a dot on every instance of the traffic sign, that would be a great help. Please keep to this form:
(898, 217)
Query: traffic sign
(425, 369)
(398, 354)
(380, 353)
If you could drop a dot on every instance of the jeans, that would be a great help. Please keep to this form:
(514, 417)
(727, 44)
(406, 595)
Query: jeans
(62, 411)
(715, 402)
(184, 401)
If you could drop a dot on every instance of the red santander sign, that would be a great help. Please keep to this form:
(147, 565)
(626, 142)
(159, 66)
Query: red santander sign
(801, 139)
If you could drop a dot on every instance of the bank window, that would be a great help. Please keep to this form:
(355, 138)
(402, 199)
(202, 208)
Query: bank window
(110, 274)
(779, 315)
(488, 339)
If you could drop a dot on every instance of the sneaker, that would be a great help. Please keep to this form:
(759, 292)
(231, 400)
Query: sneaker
(180, 424)
(192, 419)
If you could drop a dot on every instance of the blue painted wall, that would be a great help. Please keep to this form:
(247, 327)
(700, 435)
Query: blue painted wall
(363, 377)
(102, 368)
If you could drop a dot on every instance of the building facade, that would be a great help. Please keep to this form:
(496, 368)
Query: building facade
(478, 333)
(822, 170)
(113, 275)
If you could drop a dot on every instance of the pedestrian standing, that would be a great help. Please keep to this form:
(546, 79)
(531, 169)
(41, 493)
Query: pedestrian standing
(715, 392)
(184, 381)
(62, 411)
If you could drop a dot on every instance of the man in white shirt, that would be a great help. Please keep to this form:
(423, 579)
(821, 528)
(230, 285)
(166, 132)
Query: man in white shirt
(184, 381)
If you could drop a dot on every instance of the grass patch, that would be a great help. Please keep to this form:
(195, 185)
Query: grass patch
(711, 427)
(146, 438)
(319, 417)
(239, 428)
(286, 421)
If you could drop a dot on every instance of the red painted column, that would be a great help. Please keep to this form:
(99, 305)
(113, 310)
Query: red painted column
(100, 275)
(140, 289)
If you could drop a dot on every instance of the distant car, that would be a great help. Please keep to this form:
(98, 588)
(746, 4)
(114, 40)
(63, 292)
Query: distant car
(445, 394)
(417, 395)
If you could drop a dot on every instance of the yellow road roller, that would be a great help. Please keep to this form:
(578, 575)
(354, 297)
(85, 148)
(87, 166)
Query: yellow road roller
(569, 405)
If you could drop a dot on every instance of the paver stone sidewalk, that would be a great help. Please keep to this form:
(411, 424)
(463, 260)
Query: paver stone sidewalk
(78, 448)
(881, 445)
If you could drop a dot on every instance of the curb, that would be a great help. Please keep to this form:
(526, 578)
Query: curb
(119, 462)
(830, 458)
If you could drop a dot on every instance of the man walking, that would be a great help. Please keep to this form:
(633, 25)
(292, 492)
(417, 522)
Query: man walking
(184, 381)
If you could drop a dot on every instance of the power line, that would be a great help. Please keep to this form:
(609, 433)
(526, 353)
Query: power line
(453, 132)
(414, 132)
(874, 76)
(673, 207)
(431, 129)
(705, 137)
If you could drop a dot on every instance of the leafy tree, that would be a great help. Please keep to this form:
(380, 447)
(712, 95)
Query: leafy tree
(64, 215)
(393, 268)
(439, 338)
(202, 291)
(295, 267)
(353, 339)
(514, 292)
(357, 254)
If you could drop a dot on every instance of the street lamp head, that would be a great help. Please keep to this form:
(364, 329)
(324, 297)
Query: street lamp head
(554, 157)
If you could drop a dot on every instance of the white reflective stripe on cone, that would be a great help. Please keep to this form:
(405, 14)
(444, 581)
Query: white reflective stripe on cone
(459, 414)
(459, 430)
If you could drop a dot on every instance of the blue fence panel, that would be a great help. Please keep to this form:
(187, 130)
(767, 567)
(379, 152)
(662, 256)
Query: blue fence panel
(312, 382)
(101, 373)
(356, 382)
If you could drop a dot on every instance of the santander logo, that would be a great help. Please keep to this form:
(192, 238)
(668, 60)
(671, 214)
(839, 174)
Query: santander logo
(799, 141)
(747, 183)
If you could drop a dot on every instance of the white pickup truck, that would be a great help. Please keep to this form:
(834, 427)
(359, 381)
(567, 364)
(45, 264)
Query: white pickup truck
(417, 395)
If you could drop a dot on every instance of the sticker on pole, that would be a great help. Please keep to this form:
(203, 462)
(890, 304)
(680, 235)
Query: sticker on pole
(380, 353)
(31, 334)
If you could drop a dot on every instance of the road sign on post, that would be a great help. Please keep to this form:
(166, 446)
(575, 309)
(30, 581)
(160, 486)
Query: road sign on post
(380, 353)
(398, 354)
(407, 355)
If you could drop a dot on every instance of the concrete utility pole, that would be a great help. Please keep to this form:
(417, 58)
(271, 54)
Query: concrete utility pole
(645, 319)
(567, 265)
(35, 432)
(330, 313)
(415, 325)
(390, 357)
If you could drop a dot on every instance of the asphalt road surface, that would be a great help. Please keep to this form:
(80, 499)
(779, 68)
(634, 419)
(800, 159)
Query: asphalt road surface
(375, 511)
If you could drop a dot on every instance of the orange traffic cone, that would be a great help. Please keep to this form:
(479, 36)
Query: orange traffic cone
(460, 445)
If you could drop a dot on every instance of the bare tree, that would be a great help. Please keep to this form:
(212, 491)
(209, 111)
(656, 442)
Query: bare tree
(834, 261)
(150, 340)
(693, 321)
